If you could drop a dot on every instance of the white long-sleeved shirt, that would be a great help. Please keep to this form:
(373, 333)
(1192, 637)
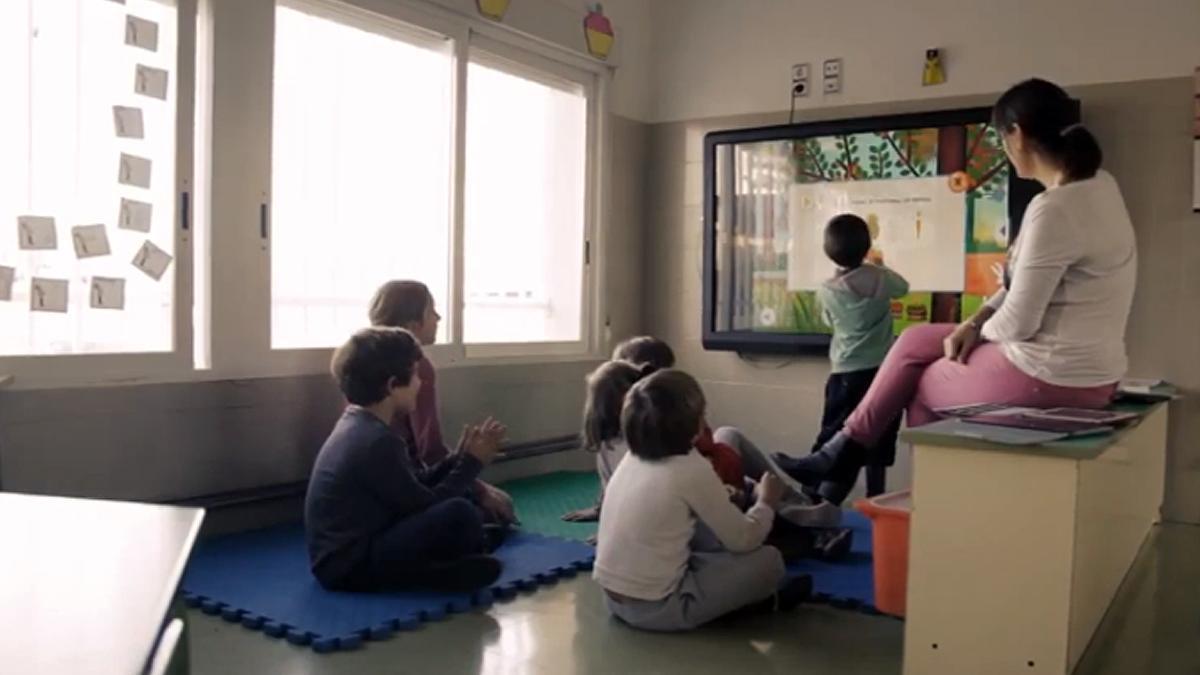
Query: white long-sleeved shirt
(1073, 269)
(650, 513)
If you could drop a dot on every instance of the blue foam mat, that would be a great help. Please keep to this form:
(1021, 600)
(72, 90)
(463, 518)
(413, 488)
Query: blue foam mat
(261, 579)
(848, 583)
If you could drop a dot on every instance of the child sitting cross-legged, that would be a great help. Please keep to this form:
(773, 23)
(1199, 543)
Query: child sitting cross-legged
(674, 553)
(373, 520)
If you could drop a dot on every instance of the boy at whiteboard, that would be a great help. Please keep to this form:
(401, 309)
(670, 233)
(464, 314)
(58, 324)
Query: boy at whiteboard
(857, 304)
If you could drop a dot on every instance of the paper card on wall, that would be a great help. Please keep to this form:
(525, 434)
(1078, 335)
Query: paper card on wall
(48, 295)
(141, 33)
(128, 122)
(152, 260)
(149, 81)
(107, 293)
(134, 215)
(134, 171)
(36, 233)
(90, 241)
(7, 276)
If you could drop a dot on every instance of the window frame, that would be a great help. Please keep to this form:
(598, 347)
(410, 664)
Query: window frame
(51, 370)
(222, 317)
(523, 62)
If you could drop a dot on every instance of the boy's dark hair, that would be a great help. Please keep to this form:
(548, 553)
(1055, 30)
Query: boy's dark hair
(606, 389)
(645, 349)
(662, 414)
(399, 303)
(365, 365)
(847, 240)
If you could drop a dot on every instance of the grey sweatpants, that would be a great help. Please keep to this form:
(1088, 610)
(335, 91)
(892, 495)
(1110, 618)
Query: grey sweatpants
(797, 507)
(716, 583)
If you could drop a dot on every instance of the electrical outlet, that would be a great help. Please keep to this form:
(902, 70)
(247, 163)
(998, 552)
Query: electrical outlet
(800, 89)
(799, 72)
(832, 70)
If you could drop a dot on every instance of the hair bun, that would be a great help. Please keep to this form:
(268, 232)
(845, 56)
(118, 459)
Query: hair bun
(1071, 128)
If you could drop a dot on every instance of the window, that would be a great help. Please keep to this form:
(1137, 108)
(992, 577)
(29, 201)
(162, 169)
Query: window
(526, 215)
(283, 159)
(88, 130)
(361, 168)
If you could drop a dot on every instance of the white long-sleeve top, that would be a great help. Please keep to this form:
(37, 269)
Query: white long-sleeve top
(1073, 269)
(650, 513)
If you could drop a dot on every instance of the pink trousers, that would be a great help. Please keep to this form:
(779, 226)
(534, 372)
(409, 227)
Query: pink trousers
(916, 377)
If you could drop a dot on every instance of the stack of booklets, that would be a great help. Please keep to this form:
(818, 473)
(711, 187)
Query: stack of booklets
(1146, 390)
(1011, 425)
(1028, 426)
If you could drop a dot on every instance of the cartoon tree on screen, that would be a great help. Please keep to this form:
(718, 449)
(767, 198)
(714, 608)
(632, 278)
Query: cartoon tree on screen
(811, 166)
(914, 149)
(987, 166)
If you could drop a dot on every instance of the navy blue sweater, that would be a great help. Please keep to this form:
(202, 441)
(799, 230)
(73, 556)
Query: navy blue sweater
(362, 482)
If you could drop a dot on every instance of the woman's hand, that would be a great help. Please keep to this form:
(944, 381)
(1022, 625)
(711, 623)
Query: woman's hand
(959, 344)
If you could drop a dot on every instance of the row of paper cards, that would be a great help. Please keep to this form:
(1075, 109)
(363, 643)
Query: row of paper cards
(52, 295)
(39, 233)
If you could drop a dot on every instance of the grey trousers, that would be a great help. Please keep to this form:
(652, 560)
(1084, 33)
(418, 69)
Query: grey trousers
(716, 583)
(797, 507)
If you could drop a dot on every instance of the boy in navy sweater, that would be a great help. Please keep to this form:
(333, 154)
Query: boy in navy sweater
(372, 519)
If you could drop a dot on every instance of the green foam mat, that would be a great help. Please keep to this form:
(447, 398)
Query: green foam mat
(542, 500)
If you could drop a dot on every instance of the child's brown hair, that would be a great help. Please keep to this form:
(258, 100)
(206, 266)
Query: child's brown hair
(662, 414)
(365, 365)
(399, 303)
(606, 389)
(645, 349)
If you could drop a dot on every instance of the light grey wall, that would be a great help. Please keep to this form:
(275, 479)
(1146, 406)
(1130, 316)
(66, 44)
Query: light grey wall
(174, 441)
(1145, 130)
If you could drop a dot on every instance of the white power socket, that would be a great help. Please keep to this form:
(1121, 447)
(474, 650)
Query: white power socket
(832, 71)
(800, 80)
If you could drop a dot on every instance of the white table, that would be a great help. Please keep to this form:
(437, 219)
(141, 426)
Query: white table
(1016, 553)
(86, 585)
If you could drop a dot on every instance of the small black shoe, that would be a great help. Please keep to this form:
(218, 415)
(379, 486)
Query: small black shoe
(832, 545)
(794, 543)
(493, 536)
(461, 575)
(797, 590)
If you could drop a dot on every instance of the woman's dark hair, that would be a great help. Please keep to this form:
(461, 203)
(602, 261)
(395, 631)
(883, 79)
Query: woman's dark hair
(645, 349)
(1047, 116)
(399, 304)
(847, 240)
(370, 359)
(606, 389)
(662, 414)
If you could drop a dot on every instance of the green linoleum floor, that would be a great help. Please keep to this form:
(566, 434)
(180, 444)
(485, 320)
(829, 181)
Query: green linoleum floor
(542, 500)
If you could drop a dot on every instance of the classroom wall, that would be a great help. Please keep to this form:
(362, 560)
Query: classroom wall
(560, 22)
(715, 57)
(1144, 128)
(182, 440)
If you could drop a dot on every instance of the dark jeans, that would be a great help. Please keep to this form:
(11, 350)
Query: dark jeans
(843, 393)
(400, 555)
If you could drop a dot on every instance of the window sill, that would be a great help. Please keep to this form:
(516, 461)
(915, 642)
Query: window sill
(297, 363)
